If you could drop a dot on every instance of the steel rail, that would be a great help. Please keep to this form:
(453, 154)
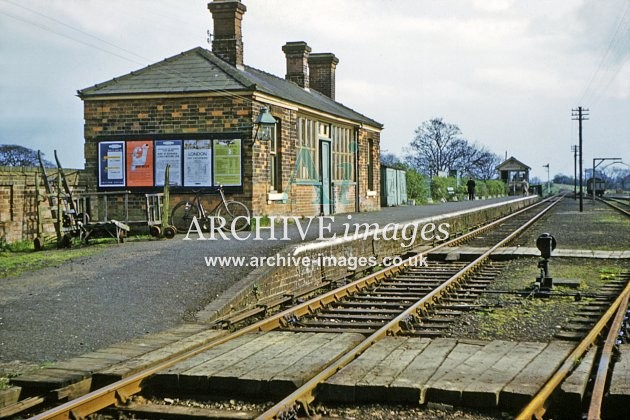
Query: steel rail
(119, 391)
(305, 395)
(597, 395)
(538, 405)
(614, 206)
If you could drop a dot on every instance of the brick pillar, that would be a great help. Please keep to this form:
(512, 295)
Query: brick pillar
(322, 73)
(297, 62)
(227, 41)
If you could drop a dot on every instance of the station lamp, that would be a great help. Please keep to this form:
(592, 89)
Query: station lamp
(265, 124)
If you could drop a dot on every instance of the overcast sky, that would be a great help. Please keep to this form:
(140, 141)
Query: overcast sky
(506, 72)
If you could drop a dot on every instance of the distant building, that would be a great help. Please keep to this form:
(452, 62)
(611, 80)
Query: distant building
(515, 174)
(196, 112)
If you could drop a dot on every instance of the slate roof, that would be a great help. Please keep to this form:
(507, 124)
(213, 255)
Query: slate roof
(199, 70)
(512, 164)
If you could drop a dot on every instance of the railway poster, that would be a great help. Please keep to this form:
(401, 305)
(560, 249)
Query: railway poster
(197, 163)
(111, 164)
(168, 152)
(140, 163)
(227, 162)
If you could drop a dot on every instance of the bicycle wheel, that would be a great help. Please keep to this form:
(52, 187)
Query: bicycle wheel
(182, 215)
(231, 211)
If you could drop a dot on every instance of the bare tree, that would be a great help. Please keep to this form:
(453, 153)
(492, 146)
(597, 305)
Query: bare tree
(438, 146)
(479, 162)
(15, 155)
(391, 160)
(434, 147)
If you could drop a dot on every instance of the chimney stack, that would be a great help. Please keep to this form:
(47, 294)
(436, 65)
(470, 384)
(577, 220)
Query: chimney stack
(297, 62)
(322, 73)
(227, 41)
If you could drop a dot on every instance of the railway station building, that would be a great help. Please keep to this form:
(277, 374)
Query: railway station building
(200, 112)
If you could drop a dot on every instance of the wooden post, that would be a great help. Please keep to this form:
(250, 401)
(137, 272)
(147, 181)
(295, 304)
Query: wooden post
(59, 211)
(166, 198)
(39, 230)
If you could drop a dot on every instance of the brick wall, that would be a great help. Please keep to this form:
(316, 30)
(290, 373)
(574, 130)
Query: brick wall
(369, 201)
(18, 204)
(169, 116)
(199, 115)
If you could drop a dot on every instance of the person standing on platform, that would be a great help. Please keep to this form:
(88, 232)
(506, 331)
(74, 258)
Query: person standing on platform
(471, 188)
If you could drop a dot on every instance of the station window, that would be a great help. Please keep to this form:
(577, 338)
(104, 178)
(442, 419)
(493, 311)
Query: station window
(343, 154)
(307, 158)
(370, 165)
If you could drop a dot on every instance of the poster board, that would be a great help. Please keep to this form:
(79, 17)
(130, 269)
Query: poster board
(139, 163)
(197, 163)
(111, 164)
(168, 152)
(227, 162)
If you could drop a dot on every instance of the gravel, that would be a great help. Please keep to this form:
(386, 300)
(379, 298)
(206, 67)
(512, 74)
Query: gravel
(598, 227)
(513, 317)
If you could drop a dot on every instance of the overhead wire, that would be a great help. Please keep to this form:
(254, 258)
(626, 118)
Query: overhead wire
(171, 72)
(600, 82)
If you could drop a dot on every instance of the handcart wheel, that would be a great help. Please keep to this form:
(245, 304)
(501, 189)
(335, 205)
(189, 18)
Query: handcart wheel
(155, 231)
(169, 232)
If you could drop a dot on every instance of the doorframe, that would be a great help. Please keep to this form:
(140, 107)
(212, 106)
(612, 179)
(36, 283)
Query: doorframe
(326, 206)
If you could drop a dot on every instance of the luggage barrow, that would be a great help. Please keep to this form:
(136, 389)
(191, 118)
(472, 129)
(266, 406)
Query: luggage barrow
(158, 226)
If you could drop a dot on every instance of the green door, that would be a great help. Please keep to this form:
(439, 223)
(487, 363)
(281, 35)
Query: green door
(324, 147)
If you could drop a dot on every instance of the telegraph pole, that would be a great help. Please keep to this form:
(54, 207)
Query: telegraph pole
(574, 149)
(580, 114)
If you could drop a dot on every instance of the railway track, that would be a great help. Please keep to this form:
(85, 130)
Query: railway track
(621, 206)
(401, 300)
(612, 320)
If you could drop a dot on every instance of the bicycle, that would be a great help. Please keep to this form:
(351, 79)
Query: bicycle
(230, 210)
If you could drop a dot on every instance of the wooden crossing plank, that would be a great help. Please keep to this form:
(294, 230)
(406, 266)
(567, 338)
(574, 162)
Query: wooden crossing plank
(169, 379)
(409, 386)
(450, 386)
(85, 364)
(484, 390)
(618, 399)
(128, 367)
(573, 388)
(341, 386)
(524, 386)
(229, 379)
(198, 377)
(76, 369)
(47, 379)
(158, 411)
(304, 369)
(105, 355)
(375, 384)
(257, 381)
